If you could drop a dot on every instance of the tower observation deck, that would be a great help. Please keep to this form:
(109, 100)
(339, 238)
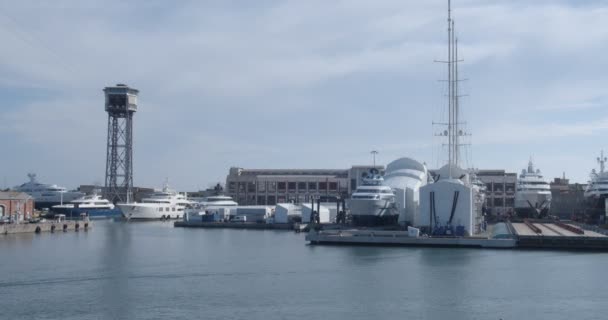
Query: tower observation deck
(120, 104)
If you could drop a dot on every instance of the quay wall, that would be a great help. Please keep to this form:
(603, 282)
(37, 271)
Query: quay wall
(234, 225)
(51, 226)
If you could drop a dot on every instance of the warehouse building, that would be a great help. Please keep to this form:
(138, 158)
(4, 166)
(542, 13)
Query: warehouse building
(272, 186)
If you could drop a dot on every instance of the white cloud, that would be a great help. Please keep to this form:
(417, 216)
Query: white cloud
(215, 77)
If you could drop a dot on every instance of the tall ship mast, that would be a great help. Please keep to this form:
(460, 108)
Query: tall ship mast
(452, 205)
(453, 133)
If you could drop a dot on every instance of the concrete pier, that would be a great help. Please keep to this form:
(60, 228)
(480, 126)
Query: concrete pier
(47, 226)
(234, 225)
(530, 234)
(557, 235)
(402, 238)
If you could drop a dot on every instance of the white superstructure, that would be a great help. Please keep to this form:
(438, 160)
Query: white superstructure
(167, 204)
(597, 189)
(47, 195)
(93, 201)
(373, 203)
(92, 205)
(598, 183)
(532, 194)
(212, 205)
(405, 176)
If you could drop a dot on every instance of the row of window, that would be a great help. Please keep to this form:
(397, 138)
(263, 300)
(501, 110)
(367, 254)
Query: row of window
(500, 202)
(273, 200)
(271, 186)
(166, 209)
(499, 187)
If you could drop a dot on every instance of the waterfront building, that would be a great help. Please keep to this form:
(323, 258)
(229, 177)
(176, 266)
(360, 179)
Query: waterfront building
(272, 186)
(16, 206)
(500, 190)
(568, 199)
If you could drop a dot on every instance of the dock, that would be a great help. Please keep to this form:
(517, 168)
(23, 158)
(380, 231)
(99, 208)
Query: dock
(233, 225)
(45, 226)
(521, 235)
(402, 238)
(557, 235)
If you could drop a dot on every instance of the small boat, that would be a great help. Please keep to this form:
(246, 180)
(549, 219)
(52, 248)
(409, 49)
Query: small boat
(93, 206)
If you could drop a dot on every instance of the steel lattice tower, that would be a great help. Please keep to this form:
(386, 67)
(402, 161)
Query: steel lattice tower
(121, 104)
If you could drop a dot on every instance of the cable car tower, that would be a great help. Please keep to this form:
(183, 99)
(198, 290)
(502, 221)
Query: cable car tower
(121, 104)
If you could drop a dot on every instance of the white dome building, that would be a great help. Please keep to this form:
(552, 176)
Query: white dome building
(405, 176)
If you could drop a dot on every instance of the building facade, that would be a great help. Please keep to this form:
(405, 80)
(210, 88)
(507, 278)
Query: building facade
(567, 200)
(272, 186)
(17, 206)
(500, 190)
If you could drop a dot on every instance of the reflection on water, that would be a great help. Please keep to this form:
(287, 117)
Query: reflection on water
(152, 270)
(115, 262)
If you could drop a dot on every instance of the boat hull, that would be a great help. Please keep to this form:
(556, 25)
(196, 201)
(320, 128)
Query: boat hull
(526, 204)
(92, 213)
(366, 212)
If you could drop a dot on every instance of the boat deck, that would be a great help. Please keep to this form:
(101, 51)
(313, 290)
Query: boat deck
(551, 230)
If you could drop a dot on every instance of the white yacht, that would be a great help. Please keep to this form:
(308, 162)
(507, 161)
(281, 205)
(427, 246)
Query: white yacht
(373, 203)
(165, 204)
(47, 195)
(597, 189)
(533, 194)
(94, 206)
(211, 205)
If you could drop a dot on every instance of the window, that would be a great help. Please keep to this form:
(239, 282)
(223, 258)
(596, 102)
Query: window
(272, 186)
(312, 186)
(261, 186)
(281, 186)
(291, 186)
(333, 186)
(160, 209)
(241, 186)
(498, 202)
(250, 187)
(232, 186)
(173, 209)
(322, 186)
(261, 200)
(489, 186)
(301, 186)
(271, 201)
(353, 184)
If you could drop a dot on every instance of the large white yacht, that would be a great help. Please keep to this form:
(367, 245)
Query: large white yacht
(164, 204)
(373, 203)
(597, 189)
(533, 194)
(47, 195)
(94, 206)
(211, 205)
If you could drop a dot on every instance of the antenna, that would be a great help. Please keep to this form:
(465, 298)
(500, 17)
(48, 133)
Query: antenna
(602, 161)
(374, 153)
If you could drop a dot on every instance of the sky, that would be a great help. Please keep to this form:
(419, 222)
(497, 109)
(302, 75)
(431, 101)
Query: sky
(298, 84)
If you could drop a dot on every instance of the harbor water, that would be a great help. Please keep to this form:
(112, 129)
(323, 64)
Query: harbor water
(152, 270)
